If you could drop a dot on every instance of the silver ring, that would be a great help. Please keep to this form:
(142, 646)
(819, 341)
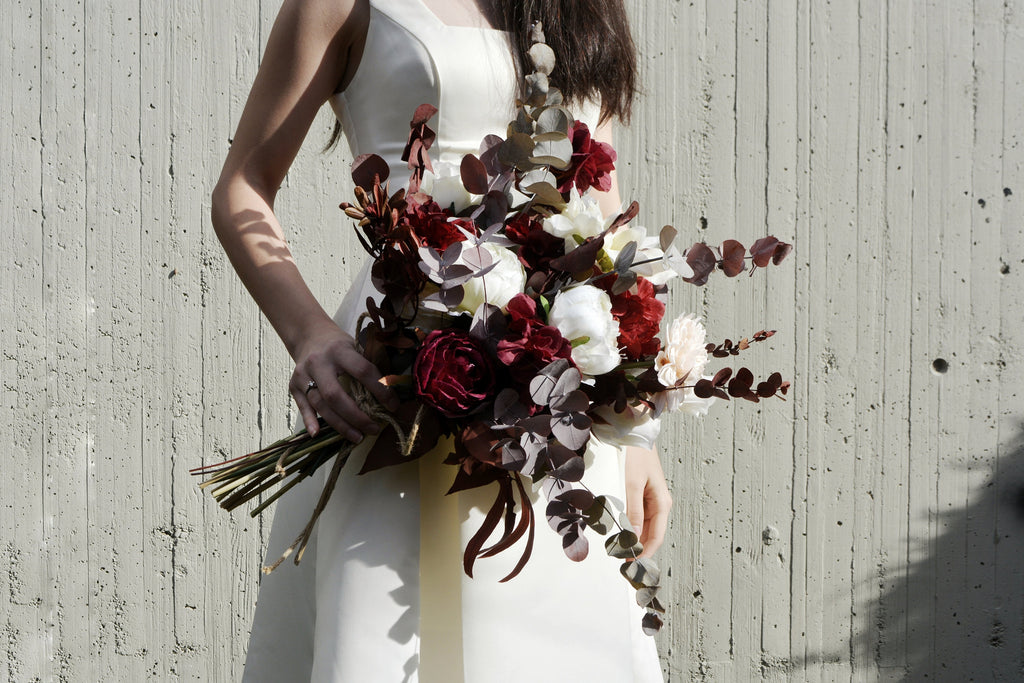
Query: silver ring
(310, 386)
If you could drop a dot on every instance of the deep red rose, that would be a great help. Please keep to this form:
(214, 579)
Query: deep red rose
(591, 162)
(529, 344)
(432, 225)
(453, 373)
(639, 314)
(536, 247)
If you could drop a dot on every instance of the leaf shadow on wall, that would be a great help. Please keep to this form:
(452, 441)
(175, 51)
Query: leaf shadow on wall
(955, 613)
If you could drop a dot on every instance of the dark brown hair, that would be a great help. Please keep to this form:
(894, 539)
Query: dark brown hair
(595, 57)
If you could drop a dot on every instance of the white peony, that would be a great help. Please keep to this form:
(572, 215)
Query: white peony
(582, 216)
(682, 357)
(586, 311)
(444, 184)
(635, 426)
(499, 285)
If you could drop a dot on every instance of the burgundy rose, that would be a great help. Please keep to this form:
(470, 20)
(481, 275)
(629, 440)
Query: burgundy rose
(529, 344)
(432, 225)
(591, 162)
(453, 373)
(639, 314)
(536, 247)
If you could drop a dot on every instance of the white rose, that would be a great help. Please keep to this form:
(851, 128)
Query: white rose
(444, 184)
(635, 426)
(498, 286)
(582, 216)
(586, 311)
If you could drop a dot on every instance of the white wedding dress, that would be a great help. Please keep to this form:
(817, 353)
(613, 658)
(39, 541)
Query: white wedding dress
(380, 595)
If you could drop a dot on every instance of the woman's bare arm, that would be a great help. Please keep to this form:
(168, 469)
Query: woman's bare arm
(647, 497)
(311, 52)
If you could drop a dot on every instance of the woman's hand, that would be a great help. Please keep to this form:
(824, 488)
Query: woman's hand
(647, 498)
(320, 359)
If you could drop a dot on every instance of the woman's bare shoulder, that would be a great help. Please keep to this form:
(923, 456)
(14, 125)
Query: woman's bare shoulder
(329, 20)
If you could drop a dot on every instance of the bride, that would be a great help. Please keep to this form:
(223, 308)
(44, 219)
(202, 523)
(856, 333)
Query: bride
(380, 595)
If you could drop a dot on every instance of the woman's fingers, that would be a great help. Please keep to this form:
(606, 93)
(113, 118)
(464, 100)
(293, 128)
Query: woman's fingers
(635, 505)
(308, 413)
(647, 498)
(657, 504)
(364, 372)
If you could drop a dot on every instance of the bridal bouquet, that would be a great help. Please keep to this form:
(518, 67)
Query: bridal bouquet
(515, 319)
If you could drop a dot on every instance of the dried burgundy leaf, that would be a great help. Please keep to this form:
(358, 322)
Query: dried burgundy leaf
(722, 376)
(733, 254)
(703, 389)
(474, 175)
(581, 499)
(580, 259)
(626, 216)
(762, 250)
(781, 252)
(367, 168)
(702, 261)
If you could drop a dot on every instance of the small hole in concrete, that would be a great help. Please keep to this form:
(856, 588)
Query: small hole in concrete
(940, 366)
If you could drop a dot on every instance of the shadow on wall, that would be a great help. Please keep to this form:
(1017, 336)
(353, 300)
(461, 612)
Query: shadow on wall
(957, 613)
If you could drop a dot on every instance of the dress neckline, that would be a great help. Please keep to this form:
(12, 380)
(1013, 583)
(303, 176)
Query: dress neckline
(443, 24)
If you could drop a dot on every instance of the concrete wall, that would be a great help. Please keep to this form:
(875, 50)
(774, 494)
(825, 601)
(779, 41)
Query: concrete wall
(869, 528)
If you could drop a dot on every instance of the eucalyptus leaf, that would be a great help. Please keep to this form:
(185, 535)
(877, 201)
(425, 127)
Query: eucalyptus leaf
(556, 153)
(553, 120)
(623, 545)
(543, 384)
(625, 258)
(545, 193)
(537, 87)
(597, 516)
(572, 430)
(452, 297)
(667, 236)
(573, 401)
(623, 283)
(576, 546)
(474, 174)
(646, 595)
(651, 623)
(642, 573)
(516, 151)
(537, 175)
(476, 258)
(521, 124)
(542, 57)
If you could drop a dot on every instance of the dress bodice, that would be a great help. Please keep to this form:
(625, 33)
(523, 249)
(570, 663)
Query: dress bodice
(411, 58)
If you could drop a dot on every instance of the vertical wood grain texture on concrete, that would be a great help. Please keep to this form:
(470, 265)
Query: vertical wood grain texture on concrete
(869, 528)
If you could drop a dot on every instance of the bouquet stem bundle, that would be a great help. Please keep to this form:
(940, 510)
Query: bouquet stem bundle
(289, 461)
